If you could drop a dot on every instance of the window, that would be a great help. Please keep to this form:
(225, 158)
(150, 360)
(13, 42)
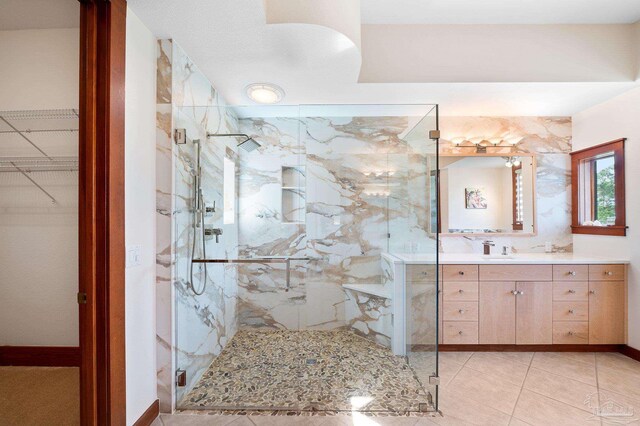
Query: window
(229, 191)
(518, 197)
(598, 190)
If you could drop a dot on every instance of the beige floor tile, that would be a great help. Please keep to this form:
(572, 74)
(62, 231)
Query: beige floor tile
(447, 372)
(536, 409)
(621, 380)
(470, 412)
(623, 402)
(197, 420)
(455, 357)
(616, 360)
(507, 369)
(566, 365)
(484, 388)
(560, 388)
(522, 357)
(517, 422)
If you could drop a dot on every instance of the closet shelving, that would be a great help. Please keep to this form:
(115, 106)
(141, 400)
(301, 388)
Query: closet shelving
(26, 148)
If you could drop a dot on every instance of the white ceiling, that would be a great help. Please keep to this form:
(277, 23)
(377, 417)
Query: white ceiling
(39, 14)
(500, 11)
(233, 46)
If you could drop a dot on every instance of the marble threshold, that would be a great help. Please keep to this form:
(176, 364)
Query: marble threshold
(512, 259)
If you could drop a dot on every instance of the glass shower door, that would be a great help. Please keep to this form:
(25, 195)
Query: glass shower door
(413, 234)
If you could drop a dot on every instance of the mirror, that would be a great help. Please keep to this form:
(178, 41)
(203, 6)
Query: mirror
(487, 194)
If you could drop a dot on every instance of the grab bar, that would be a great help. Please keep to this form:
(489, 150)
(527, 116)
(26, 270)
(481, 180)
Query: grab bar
(285, 260)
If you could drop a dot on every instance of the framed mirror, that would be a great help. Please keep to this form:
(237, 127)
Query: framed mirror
(487, 194)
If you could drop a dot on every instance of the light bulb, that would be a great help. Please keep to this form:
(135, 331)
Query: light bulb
(516, 162)
(476, 140)
(508, 163)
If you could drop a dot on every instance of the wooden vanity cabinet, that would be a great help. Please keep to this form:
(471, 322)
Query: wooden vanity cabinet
(606, 312)
(533, 304)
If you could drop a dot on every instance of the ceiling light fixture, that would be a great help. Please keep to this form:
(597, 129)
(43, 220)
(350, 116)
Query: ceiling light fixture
(265, 93)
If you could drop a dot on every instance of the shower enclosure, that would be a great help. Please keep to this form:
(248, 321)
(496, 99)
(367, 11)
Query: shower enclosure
(284, 297)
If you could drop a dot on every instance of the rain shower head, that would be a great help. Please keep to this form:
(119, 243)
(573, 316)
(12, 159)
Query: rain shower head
(248, 143)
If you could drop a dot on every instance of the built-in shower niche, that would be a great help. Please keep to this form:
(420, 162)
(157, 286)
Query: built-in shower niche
(293, 194)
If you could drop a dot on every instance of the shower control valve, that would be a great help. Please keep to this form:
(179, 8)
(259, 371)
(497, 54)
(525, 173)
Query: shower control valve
(210, 209)
(211, 232)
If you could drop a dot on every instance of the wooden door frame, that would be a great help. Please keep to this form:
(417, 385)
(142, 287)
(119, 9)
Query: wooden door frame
(101, 212)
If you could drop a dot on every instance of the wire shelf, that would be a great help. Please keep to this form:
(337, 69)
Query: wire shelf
(41, 114)
(38, 164)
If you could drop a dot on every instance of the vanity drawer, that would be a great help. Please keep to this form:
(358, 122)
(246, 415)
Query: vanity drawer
(460, 273)
(570, 332)
(570, 272)
(460, 311)
(460, 332)
(570, 291)
(571, 311)
(458, 291)
(421, 273)
(516, 273)
(606, 272)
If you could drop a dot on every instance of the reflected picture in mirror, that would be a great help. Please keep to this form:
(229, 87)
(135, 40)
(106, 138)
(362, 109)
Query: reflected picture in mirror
(498, 191)
(474, 198)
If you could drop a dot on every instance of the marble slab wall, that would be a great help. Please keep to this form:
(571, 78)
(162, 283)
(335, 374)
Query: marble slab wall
(192, 329)
(549, 139)
(350, 165)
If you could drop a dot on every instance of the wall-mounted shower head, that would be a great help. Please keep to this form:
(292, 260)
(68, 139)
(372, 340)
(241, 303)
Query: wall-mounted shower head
(248, 143)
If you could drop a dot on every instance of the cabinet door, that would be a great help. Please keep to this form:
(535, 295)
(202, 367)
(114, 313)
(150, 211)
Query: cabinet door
(534, 313)
(606, 312)
(497, 312)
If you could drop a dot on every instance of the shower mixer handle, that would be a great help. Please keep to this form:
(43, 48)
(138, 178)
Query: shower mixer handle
(211, 232)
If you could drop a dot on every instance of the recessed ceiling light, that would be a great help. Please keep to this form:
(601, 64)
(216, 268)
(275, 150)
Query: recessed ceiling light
(265, 93)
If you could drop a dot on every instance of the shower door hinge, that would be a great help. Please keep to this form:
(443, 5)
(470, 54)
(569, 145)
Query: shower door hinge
(434, 134)
(388, 235)
(434, 380)
(181, 378)
(82, 298)
(180, 136)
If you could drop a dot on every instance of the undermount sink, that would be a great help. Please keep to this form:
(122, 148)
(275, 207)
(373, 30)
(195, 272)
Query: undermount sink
(497, 257)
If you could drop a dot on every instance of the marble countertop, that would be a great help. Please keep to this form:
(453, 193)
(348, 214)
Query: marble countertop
(514, 259)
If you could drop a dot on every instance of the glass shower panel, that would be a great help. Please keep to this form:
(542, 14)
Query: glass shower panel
(413, 233)
(317, 194)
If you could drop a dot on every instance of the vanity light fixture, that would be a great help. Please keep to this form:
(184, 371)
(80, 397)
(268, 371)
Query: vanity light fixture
(495, 141)
(265, 93)
(508, 163)
(514, 140)
(476, 140)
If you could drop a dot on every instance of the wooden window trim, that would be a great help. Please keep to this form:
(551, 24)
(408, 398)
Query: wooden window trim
(517, 226)
(620, 227)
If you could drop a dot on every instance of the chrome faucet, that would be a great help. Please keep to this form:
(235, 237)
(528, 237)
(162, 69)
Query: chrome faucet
(211, 232)
(487, 246)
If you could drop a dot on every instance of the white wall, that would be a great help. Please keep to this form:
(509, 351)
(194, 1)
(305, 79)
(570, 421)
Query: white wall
(39, 69)
(38, 241)
(617, 118)
(491, 181)
(497, 53)
(140, 206)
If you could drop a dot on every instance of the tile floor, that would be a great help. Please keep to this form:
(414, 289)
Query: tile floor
(492, 388)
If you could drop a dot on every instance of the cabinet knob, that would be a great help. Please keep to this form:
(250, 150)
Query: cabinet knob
(514, 292)
(460, 332)
(521, 292)
(608, 273)
(573, 273)
(570, 333)
(461, 272)
(461, 291)
(572, 291)
(570, 311)
(592, 292)
(461, 311)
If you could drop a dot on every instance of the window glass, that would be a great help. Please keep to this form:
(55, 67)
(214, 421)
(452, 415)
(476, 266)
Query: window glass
(604, 208)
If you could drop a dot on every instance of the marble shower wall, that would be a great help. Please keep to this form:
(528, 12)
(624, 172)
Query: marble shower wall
(549, 138)
(351, 200)
(192, 329)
